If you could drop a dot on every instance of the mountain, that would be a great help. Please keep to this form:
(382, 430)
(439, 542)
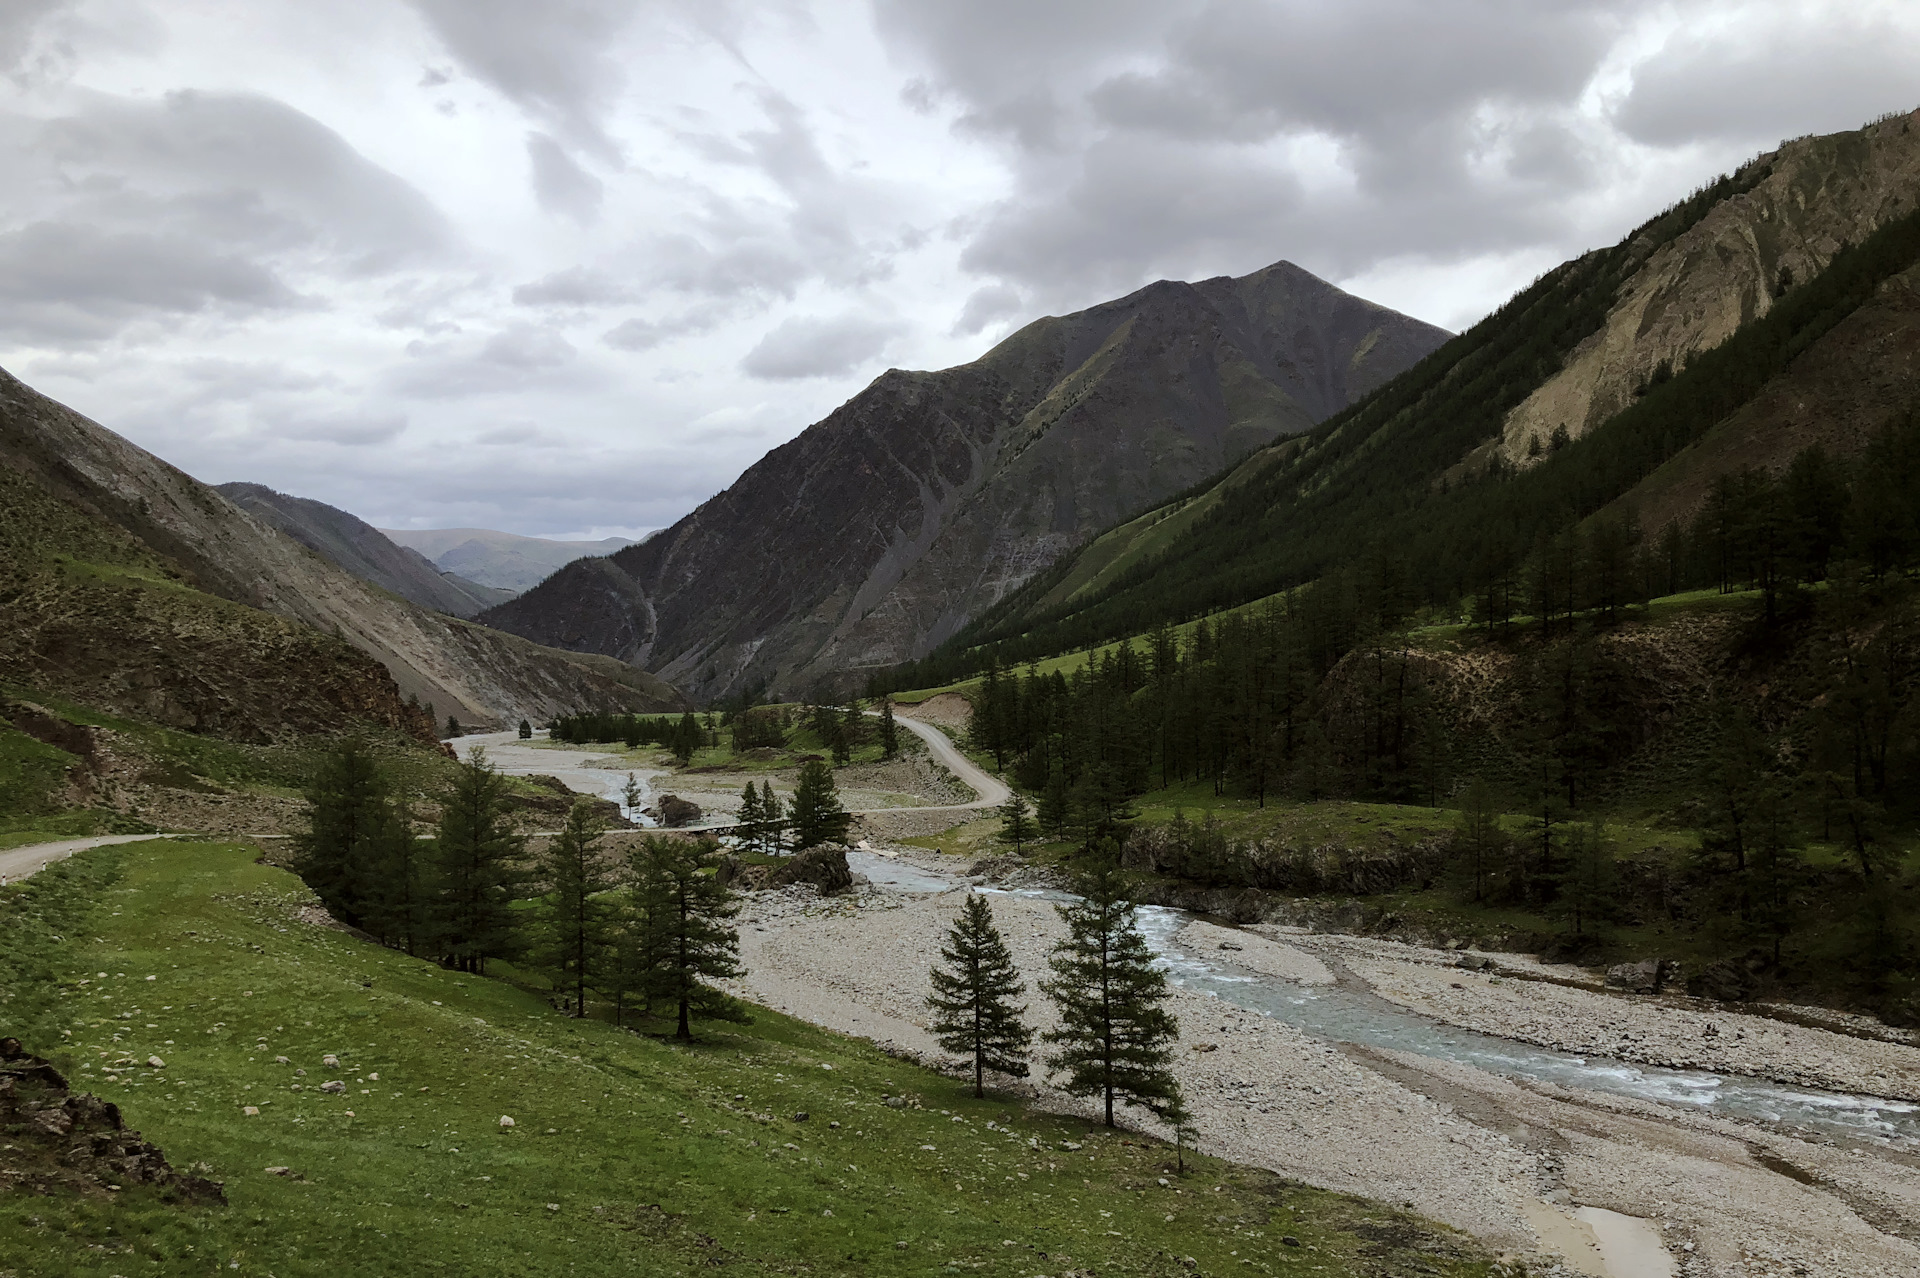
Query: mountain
(889, 526)
(364, 551)
(151, 593)
(500, 560)
(1772, 309)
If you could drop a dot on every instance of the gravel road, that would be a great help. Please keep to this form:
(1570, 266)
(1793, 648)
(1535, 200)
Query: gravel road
(18, 863)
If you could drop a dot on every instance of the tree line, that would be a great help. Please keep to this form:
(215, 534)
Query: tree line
(647, 929)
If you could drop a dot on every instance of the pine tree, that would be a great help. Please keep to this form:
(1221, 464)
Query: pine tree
(578, 919)
(1016, 822)
(973, 997)
(688, 911)
(753, 821)
(773, 813)
(352, 827)
(1478, 836)
(453, 728)
(686, 739)
(401, 909)
(817, 814)
(631, 795)
(526, 730)
(475, 859)
(889, 731)
(1115, 1035)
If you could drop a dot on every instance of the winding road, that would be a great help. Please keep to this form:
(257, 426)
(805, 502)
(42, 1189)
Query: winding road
(18, 863)
(992, 791)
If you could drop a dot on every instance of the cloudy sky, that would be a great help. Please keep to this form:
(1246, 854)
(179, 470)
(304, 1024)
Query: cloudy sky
(568, 266)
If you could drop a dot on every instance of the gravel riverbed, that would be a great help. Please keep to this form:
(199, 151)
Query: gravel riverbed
(1509, 1161)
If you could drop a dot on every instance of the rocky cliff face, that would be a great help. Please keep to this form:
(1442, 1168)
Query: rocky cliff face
(882, 530)
(1811, 197)
(363, 550)
(159, 543)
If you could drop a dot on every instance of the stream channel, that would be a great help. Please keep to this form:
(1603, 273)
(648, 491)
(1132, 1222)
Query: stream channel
(1347, 1016)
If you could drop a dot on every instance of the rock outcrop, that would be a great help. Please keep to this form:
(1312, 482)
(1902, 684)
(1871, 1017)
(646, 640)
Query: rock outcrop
(824, 866)
(883, 530)
(58, 1141)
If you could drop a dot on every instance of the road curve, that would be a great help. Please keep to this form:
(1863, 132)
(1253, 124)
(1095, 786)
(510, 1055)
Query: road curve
(992, 791)
(18, 863)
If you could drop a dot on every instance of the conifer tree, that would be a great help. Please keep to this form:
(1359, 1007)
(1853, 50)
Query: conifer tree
(1477, 837)
(686, 739)
(773, 813)
(687, 913)
(889, 731)
(974, 1013)
(1115, 1034)
(475, 867)
(753, 821)
(578, 918)
(453, 727)
(1589, 886)
(352, 829)
(631, 794)
(1016, 822)
(816, 813)
(401, 909)
(526, 730)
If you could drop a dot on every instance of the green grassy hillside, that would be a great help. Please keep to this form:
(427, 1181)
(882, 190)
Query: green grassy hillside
(629, 1154)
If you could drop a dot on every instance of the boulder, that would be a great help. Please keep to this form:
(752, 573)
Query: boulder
(1724, 981)
(333, 1087)
(675, 811)
(824, 866)
(1638, 978)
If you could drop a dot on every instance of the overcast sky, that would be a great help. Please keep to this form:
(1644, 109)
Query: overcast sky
(568, 266)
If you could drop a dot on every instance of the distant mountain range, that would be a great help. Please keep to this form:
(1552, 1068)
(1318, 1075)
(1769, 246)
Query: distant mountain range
(892, 524)
(130, 586)
(365, 551)
(500, 560)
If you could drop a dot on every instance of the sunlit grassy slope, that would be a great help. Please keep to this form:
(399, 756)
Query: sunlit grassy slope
(629, 1154)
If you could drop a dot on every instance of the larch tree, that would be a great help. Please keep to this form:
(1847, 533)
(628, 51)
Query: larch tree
(693, 944)
(1016, 822)
(889, 731)
(773, 812)
(476, 869)
(1115, 1035)
(578, 914)
(816, 811)
(353, 829)
(975, 1013)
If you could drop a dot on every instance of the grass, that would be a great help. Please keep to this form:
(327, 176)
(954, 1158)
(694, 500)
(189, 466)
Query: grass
(630, 1153)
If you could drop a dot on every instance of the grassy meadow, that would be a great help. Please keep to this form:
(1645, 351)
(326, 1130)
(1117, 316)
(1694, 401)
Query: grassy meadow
(629, 1153)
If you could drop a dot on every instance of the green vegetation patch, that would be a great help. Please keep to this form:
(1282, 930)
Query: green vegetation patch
(767, 1148)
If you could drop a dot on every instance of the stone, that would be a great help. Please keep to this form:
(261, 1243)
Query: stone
(1229, 945)
(330, 1061)
(505, 1121)
(251, 1111)
(553, 1206)
(154, 1062)
(675, 811)
(333, 1087)
(281, 1060)
(824, 866)
(800, 1117)
(279, 1171)
(1638, 978)
(1288, 1240)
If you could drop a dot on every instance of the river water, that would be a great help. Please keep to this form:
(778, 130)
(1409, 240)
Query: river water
(1347, 1016)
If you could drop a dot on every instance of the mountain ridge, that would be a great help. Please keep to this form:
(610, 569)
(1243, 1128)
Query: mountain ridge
(884, 528)
(363, 550)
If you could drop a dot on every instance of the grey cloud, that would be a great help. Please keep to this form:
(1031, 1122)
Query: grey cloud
(350, 431)
(1809, 72)
(19, 20)
(577, 286)
(988, 303)
(1161, 137)
(516, 358)
(560, 184)
(554, 58)
(814, 346)
(241, 170)
(643, 335)
(63, 283)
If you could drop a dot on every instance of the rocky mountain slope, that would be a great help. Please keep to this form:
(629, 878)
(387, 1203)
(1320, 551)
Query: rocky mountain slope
(161, 597)
(501, 561)
(884, 529)
(1607, 385)
(363, 550)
